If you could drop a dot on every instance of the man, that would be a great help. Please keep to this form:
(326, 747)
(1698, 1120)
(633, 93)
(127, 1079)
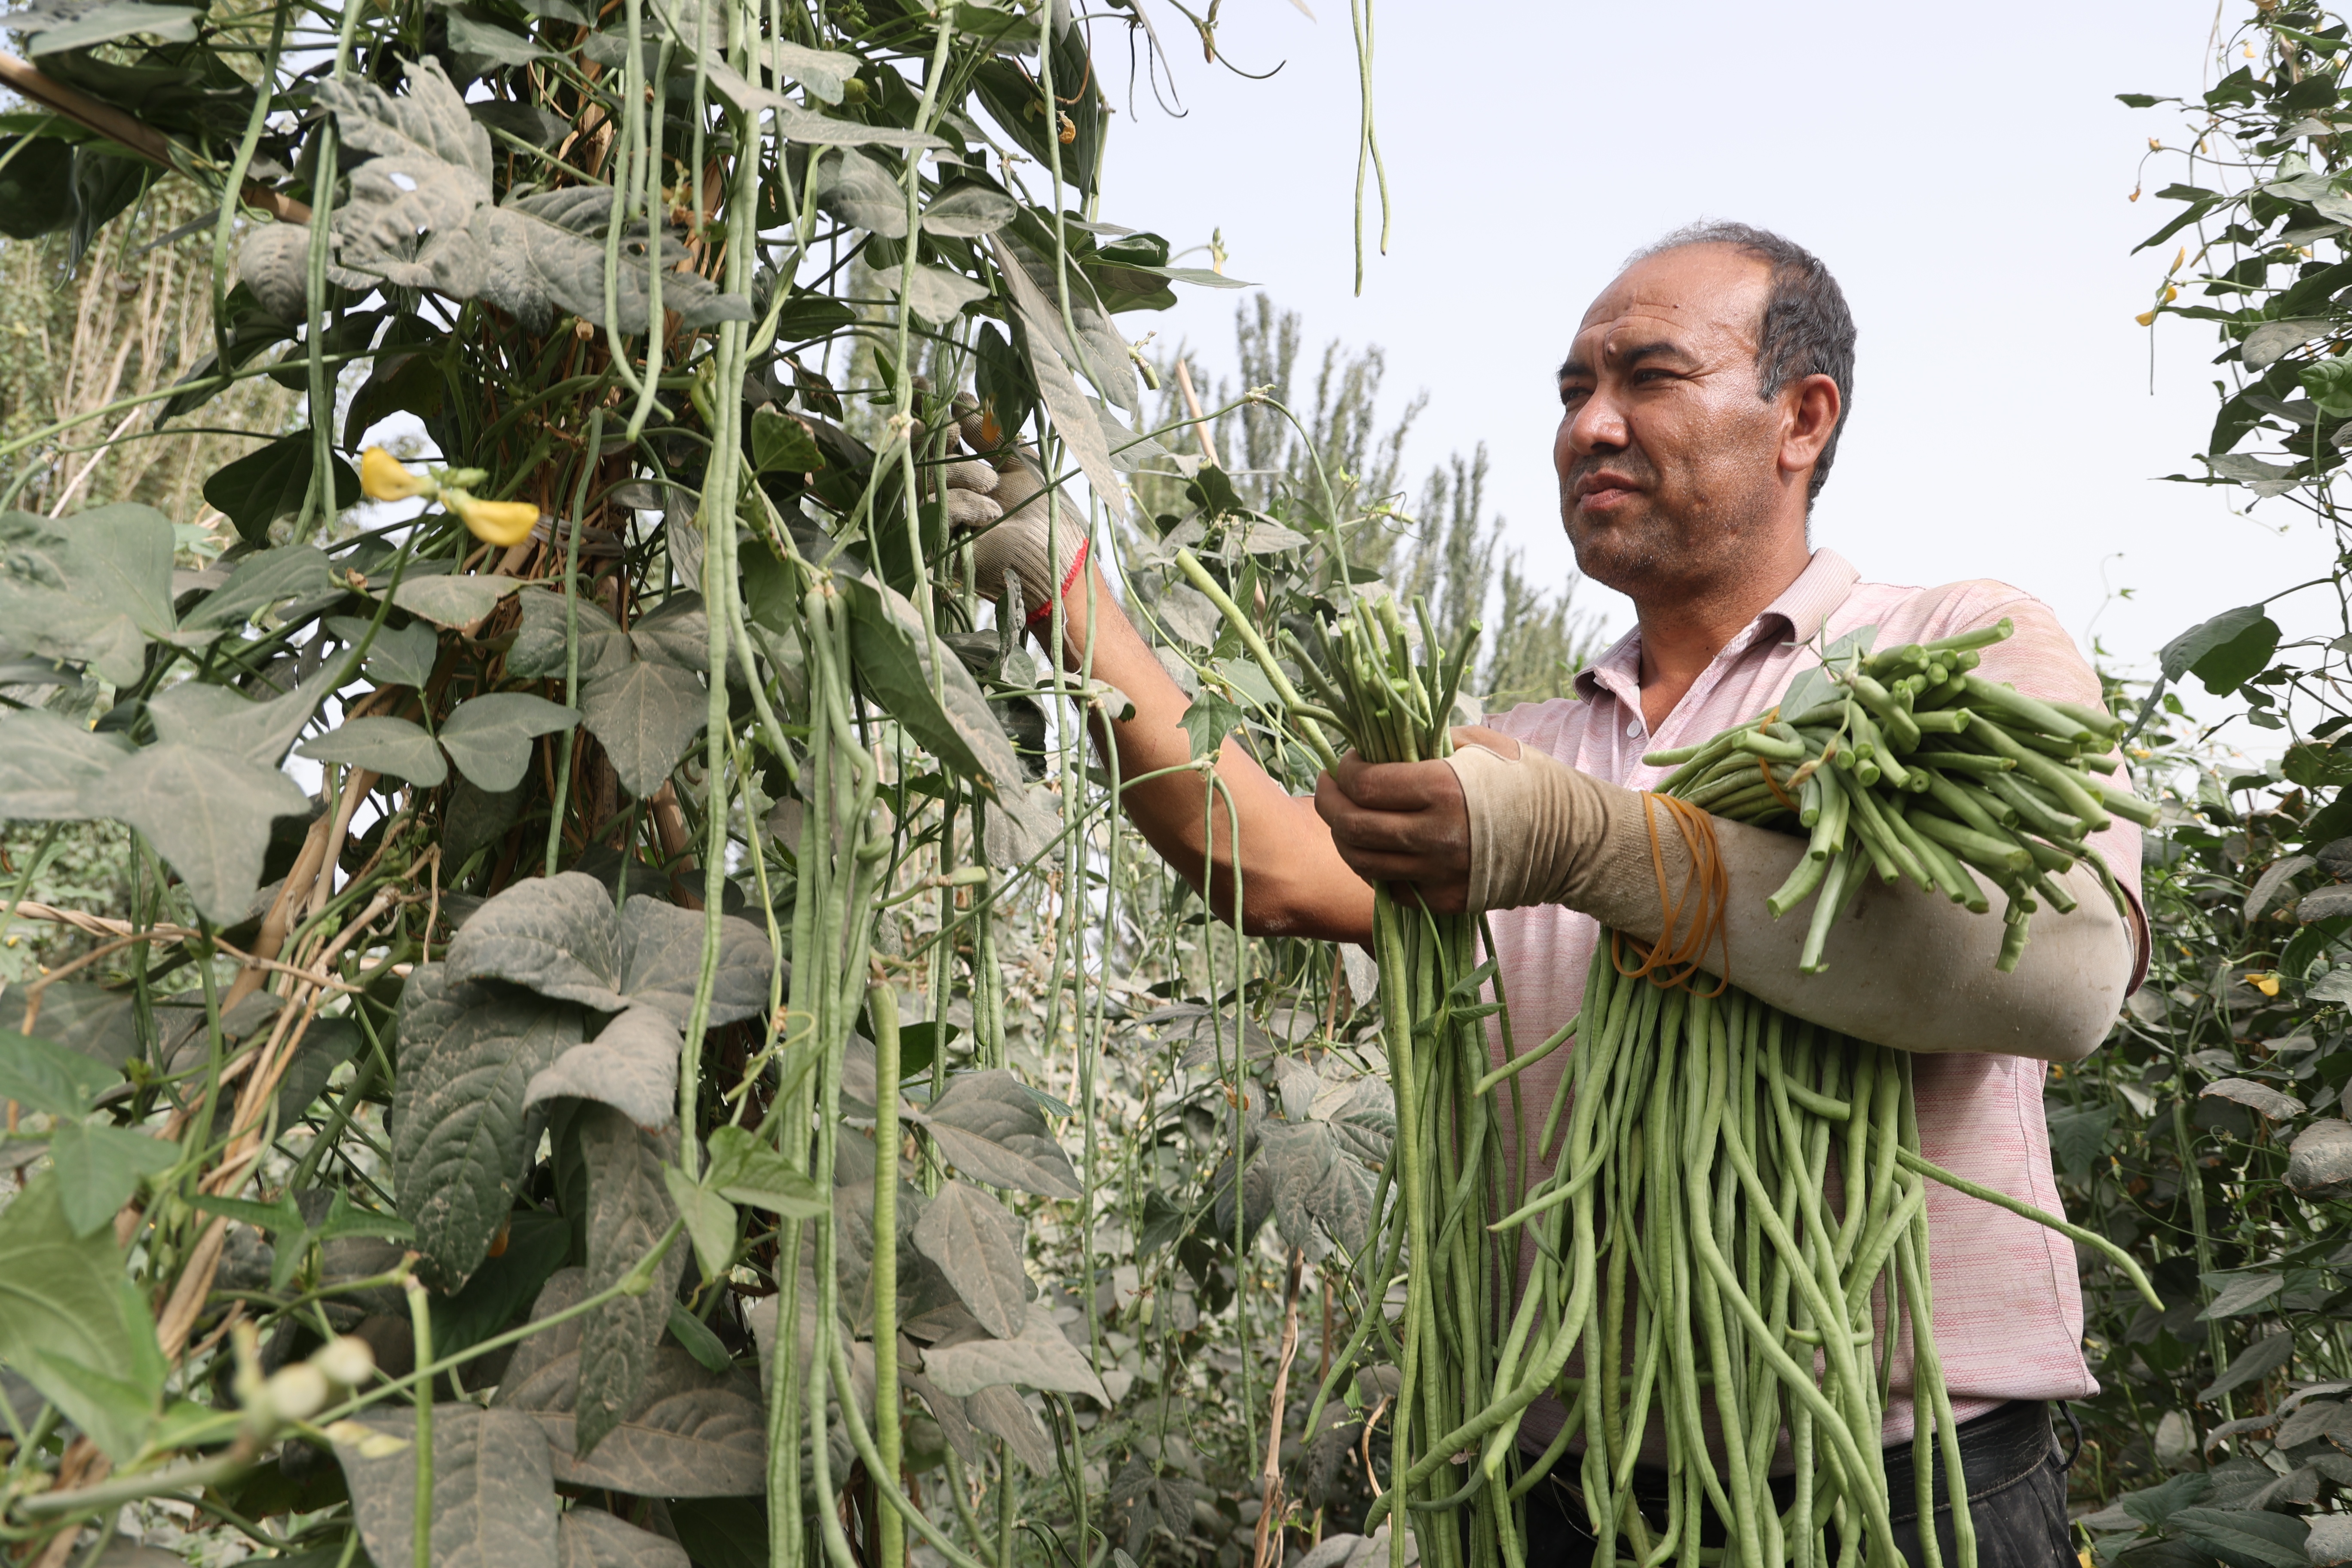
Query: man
(1701, 402)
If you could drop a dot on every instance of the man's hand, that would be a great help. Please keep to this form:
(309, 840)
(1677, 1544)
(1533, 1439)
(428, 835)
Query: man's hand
(1003, 498)
(1407, 822)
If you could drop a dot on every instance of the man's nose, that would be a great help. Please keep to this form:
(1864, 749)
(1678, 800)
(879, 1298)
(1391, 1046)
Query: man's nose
(1597, 424)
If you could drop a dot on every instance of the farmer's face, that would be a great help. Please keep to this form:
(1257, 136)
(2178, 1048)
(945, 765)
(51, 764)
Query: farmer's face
(1665, 454)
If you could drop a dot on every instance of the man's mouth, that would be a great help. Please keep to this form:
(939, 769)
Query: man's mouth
(1603, 491)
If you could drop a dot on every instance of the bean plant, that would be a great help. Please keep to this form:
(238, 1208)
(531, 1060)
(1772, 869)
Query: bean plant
(703, 1078)
(2209, 1134)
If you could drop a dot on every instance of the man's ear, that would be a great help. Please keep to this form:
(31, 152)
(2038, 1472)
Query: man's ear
(1812, 407)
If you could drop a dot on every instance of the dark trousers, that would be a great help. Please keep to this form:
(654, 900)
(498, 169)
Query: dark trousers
(2016, 1499)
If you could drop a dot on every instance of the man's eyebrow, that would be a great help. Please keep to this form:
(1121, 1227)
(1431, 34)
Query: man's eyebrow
(1659, 348)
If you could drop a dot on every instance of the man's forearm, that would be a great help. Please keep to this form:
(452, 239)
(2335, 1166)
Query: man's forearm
(1908, 968)
(1293, 881)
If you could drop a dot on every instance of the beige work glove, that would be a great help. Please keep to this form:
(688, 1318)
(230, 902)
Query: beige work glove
(1907, 968)
(1001, 500)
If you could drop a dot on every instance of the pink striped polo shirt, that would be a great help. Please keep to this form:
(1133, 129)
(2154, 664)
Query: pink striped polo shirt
(2008, 1306)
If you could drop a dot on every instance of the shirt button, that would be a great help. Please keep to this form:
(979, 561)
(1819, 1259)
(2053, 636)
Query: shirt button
(1633, 727)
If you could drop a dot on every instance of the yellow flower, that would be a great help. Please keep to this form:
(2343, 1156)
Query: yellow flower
(499, 522)
(2146, 318)
(2268, 985)
(384, 479)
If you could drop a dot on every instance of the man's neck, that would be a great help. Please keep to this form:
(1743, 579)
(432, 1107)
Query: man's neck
(1683, 631)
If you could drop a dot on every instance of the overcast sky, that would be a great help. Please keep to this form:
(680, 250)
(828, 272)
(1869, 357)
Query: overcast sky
(1964, 173)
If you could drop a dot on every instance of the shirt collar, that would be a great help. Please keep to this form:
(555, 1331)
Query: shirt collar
(1797, 615)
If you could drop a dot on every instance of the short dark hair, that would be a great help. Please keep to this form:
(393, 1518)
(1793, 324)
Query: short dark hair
(1806, 329)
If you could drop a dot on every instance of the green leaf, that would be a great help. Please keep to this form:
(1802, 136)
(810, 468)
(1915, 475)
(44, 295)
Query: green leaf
(976, 1242)
(853, 189)
(781, 444)
(47, 761)
(710, 1225)
(1042, 1357)
(632, 1067)
(494, 1503)
(1208, 720)
(545, 252)
(629, 1209)
(268, 486)
(2180, 654)
(968, 209)
(537, 651)
(489, 737)
(2244, 1293)
(559, 936)
(453, 601)
(2245, 1538)
(329, 1044)
(2077, 1137)
(50, 1078)
(747, 1171)
(936, 294)
(677, 634)
(537, 1245)
(222, 718)
(99, 1168)
(989, 1127)
(591, 1538)
(91, 588)
(475, 36)
(36, 186)
(206, 812)
(82, 26)
(265, 578)
(60, 1309)
(395, 747)
(900, 661)
(688, 1435)
(646, 715)
(402, 658)
(466, 1052)
(695, 1336)
(2257, 1361)
(2154, 1505)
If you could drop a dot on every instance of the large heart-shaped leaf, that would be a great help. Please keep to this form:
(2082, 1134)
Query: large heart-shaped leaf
(206, 812)
(591, 1538)
(559, 936)
(629, 1209)
(976, 1242)
(2229, 640)
(494, 1502)
(631, 1067)
(537, 653)
(1041, 1357)
(65, 25)
(646, 715)
(991, 1127)
(677, 634)
(687, 1434)
(100, 1166)
(62, 1309)
(89, 588)
(402, 658)
(918, 681)
(468, 1050)
(270, 485)
(453, 601)
(47, 761)
(489, 737)
(265, 578)
(395, 747)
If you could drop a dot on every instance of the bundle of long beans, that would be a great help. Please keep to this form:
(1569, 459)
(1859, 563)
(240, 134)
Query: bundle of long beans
(1734, 1236)
(1908, 764)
